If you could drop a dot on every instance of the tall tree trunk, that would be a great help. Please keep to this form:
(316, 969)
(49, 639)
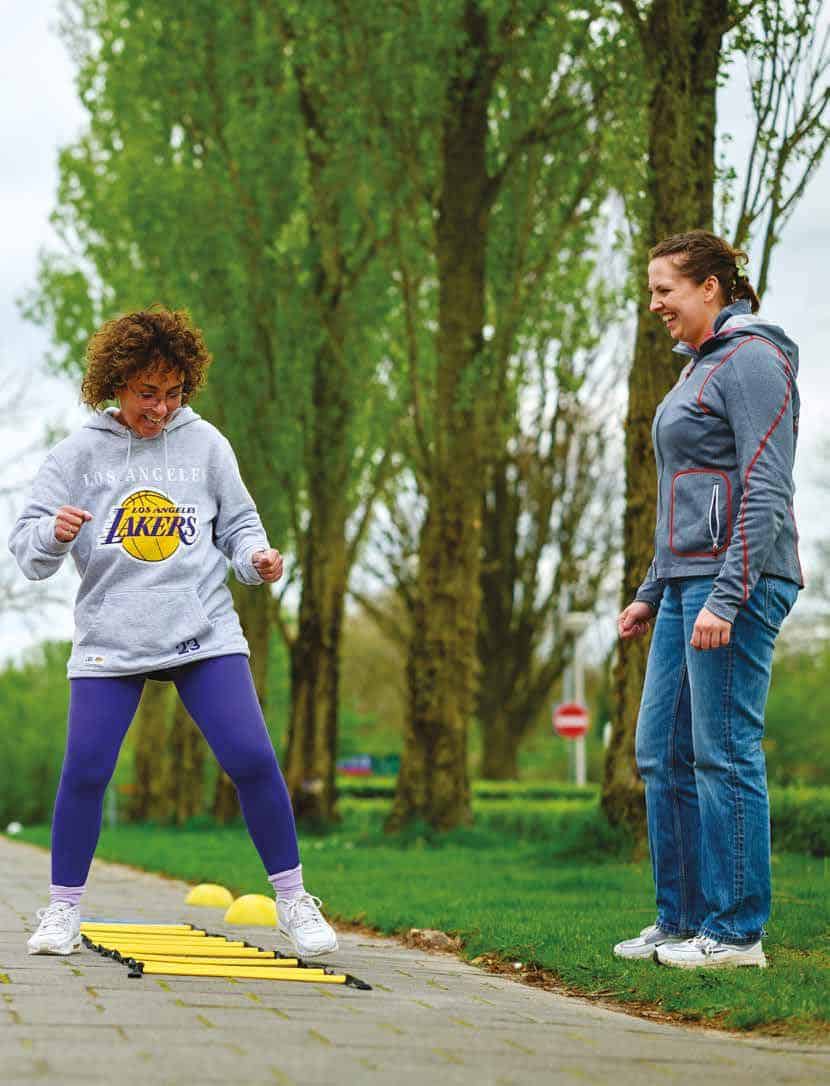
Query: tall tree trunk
(183, 784)
(311, 753)
(150, 800)
(500, 747)
(433, 783)
(499, 574)
(253, 605)
(311, 750)
(682, 46)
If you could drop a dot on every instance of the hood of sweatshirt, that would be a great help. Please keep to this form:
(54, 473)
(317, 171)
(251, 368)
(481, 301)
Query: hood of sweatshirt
(737, 321)
(106, 420)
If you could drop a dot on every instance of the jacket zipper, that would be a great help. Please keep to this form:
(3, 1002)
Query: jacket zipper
(713, 505)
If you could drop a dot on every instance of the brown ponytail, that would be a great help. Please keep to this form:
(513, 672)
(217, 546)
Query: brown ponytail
(706, 254)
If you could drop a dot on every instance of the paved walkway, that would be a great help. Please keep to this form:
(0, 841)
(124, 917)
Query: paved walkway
(429, 1017)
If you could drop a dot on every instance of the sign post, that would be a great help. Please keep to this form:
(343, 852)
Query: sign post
(576, 623)
(570, 720)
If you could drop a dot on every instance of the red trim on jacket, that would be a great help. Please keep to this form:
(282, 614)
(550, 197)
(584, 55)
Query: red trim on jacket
(715, 550)
(745, 497)
(726, 357)
(702, 405)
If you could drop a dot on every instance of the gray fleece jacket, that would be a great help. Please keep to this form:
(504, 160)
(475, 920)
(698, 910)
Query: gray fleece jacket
(169, 513)
(724, 439)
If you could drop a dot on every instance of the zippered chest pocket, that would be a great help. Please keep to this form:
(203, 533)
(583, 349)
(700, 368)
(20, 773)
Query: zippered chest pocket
(700, 519)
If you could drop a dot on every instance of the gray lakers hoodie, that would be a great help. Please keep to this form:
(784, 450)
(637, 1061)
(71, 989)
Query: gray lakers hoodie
(169, 513)
(724, 439)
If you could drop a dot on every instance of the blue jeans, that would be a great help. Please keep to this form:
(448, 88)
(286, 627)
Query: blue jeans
(699, 753)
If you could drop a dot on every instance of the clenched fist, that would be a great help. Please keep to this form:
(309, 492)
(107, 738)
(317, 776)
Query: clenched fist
(69, 521)
(635, 620)
(268, 564)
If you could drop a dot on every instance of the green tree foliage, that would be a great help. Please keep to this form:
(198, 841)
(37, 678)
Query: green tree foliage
(491, 129)
(347, 448)
(797, 742)
(34, 698)
(220, 176)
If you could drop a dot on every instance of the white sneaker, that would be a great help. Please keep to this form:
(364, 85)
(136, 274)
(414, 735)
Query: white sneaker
(644, 944)
(301, 922)
(59, 931)
(705, 953)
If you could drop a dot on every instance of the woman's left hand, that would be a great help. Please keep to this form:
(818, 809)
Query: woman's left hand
(268, 564)
(710, 632)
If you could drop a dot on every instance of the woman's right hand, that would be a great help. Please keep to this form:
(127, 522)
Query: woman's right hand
(69, 521)
(635, 620)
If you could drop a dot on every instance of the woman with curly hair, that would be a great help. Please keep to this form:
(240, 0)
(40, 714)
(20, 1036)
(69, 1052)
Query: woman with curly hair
(725, 575)
(148, 500)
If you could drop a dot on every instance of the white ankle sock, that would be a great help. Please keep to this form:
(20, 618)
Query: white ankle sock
(288, 884)
(70, 894)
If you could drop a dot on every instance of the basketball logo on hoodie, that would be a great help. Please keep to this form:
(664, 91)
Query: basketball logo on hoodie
(149, 526)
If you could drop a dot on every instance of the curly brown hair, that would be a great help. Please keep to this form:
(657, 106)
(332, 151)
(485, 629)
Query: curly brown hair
(154, 338)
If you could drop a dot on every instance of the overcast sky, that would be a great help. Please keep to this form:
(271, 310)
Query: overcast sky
(39, 113)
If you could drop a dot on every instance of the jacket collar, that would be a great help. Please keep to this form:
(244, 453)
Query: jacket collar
(742, 306)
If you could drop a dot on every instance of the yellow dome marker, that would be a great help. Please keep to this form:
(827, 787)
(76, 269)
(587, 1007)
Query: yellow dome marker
(253, 910)
(210, 895)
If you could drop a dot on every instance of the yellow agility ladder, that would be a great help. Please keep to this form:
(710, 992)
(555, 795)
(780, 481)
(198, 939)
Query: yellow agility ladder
(181, 950)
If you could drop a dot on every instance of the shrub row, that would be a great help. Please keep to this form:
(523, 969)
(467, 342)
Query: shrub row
(384, 788)
(800, 822)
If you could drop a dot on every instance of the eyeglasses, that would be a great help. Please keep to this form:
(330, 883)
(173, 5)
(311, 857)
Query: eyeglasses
(153, 398)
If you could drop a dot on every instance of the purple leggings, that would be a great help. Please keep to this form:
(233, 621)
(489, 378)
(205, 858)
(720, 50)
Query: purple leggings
(219, 694)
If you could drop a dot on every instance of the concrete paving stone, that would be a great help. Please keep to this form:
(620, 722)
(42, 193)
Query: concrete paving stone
(429, 1017)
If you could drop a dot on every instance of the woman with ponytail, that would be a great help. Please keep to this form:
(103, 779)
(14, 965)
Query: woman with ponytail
(725, 574)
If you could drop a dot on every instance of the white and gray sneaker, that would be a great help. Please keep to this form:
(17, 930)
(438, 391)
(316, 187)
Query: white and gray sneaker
(59, 931)
(644, 944)
(302, 923)
(705, 953)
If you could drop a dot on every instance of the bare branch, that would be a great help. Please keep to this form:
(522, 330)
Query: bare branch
(560, 117)
(409, 294)
(741, 13)
(790, 97)
(379, 479)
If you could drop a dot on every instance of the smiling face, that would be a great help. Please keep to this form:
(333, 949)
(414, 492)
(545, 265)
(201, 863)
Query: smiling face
(687, 309)
(149, 399)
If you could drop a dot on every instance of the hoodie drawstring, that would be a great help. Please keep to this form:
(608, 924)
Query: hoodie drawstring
(166, 480)
(129, 451)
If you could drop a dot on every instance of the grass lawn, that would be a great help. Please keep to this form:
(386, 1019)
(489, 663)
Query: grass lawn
(538, 900)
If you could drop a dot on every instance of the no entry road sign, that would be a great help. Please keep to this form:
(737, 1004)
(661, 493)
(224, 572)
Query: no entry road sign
(570, 720)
